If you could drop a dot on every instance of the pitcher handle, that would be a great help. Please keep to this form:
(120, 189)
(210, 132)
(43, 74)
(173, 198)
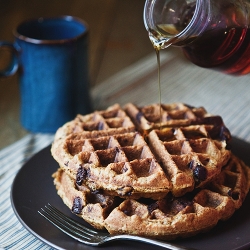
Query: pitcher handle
(13, 64)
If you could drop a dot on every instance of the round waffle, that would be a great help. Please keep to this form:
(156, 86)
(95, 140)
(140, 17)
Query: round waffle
(143, 152)
(166, 218)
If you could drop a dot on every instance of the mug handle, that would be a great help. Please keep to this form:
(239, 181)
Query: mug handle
(13, 65)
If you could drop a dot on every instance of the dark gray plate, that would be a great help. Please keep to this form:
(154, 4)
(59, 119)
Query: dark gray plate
(33, 188)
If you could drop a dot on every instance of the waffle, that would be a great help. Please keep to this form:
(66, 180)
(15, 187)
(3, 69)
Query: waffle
(131, 153)
(191, 156)
(155, 116)
(113, 120)
(167, 218)
(119, 164)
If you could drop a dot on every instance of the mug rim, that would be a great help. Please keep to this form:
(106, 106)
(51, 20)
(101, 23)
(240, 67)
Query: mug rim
(52, 41)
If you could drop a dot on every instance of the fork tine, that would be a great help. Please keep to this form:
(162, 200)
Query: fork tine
(65, 227)
(66, 230)
(62, 227)
(70, 221)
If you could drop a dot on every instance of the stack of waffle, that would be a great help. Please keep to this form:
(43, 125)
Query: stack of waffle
(161, 171)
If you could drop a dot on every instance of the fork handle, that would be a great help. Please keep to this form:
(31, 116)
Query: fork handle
(163, 244)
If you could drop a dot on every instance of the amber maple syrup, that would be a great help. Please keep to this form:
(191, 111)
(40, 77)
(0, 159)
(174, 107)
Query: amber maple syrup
(157, 51)
(226, 50)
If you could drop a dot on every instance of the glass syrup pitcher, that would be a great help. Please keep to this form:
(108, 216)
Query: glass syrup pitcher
(211, 33)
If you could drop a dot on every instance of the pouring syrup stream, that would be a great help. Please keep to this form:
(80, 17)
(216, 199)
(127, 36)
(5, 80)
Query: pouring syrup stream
(157, 50)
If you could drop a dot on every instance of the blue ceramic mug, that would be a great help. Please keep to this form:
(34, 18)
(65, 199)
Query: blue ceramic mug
(51, 56)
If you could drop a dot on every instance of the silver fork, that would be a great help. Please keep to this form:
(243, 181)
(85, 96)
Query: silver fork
(91, 237)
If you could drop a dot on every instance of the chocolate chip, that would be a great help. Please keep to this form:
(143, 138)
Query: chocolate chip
(200, 173)
(77, 205)
(81, 175)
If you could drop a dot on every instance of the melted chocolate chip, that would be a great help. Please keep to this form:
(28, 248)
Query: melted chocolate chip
(77, 206)
(200, 173)
(81, 175)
